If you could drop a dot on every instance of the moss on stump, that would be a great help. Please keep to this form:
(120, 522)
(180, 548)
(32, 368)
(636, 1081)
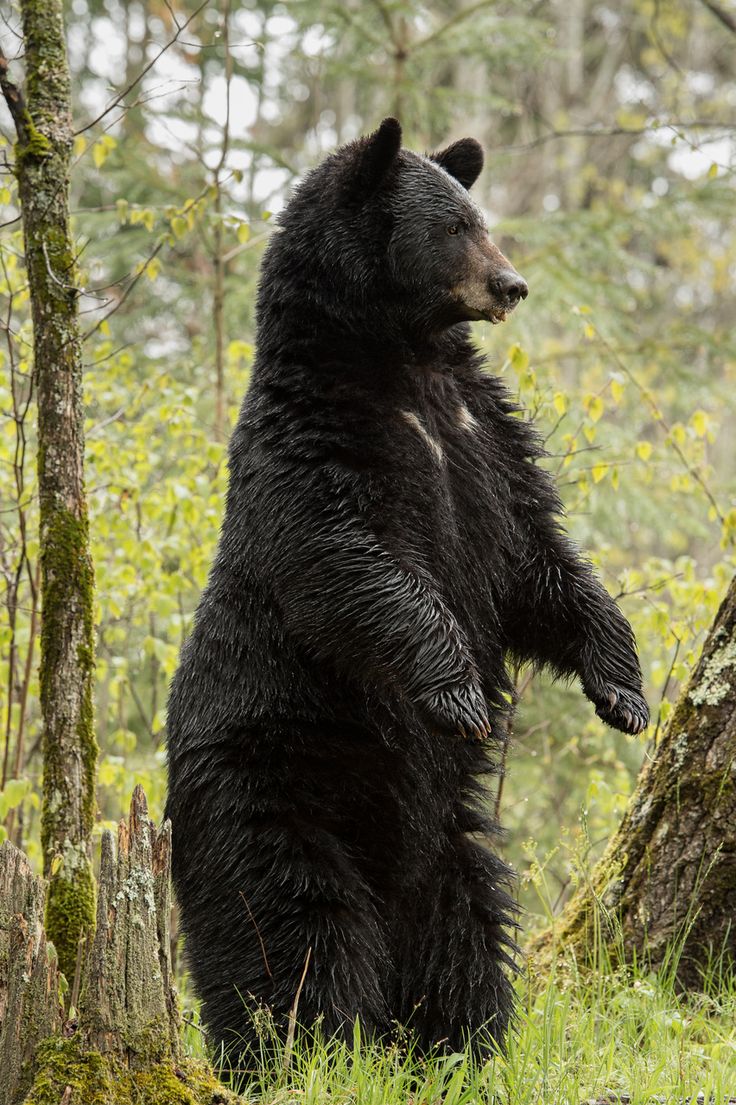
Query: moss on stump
(68, 1072)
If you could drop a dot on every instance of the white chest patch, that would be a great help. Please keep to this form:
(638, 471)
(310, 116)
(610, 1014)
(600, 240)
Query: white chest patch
(465, 420)
(415, 422)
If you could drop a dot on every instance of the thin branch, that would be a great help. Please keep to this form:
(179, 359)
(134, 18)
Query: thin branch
(88, 333)
(172, 13)
(289, 1045)
(14, 99)
(613, 132)
(459, 17)
(720, 13)
(12, 30)
(144, 265)
(243, 246)
(218, 305)
(647, 587)
(114, 103)
(660, 419)
(665, 688)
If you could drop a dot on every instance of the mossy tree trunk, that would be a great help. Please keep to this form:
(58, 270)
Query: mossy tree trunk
(668, 877)
(42, 158)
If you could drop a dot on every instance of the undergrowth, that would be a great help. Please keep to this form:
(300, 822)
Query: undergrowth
(607, 1036)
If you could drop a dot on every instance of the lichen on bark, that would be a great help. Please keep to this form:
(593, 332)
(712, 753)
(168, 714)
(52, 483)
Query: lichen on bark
(122, 1046)
(715, 684)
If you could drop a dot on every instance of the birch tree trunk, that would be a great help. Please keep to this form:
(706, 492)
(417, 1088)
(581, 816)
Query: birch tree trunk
(669, 874)
(42, 157)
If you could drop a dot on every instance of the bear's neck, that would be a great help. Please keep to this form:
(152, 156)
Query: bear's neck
(303, 328)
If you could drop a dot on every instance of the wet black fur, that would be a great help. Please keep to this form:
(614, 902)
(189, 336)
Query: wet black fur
(363, 600)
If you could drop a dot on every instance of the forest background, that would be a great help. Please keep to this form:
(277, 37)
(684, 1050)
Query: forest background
(609, 135)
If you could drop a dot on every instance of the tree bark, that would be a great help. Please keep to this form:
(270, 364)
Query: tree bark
(30, 1006)
(667, 881)
(42, 160)
(128, 1007)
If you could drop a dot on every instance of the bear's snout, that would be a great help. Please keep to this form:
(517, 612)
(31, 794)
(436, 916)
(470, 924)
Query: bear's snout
(508, 287)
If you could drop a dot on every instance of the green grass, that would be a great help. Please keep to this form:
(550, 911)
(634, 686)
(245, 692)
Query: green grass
(577, 1040)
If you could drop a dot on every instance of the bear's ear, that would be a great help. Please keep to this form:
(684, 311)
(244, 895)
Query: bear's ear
(377, 156)
(463, 160)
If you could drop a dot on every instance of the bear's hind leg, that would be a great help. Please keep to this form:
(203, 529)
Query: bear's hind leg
(456, 957)
(294, 905)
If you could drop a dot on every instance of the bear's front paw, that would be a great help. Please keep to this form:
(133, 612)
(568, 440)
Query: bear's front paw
(622, 708)
(460, 709)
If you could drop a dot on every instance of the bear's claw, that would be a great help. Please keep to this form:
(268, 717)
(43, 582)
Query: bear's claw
(622, 708)
(460, 709)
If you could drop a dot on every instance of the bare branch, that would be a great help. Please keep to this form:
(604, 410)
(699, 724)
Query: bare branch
(612, 132)
(459, 17)
(114, 103)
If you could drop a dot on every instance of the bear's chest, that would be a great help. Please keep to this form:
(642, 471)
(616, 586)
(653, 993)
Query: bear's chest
(444, 496)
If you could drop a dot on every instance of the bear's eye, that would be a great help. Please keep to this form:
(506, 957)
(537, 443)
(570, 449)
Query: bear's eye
(453, 229)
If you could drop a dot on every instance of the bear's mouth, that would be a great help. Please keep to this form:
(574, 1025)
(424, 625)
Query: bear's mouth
(494, 313)
(498, 312)
(479, 307)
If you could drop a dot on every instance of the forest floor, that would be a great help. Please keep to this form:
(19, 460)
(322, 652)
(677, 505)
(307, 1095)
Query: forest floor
(611, 1038)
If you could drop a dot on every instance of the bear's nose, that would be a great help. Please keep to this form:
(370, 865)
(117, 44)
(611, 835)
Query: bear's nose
(510, 285)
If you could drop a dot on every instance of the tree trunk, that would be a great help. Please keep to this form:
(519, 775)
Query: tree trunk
(42, 157)
(122, 1046)
(668, 876)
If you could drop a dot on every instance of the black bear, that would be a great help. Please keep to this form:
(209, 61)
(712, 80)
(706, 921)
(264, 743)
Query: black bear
(388, 542)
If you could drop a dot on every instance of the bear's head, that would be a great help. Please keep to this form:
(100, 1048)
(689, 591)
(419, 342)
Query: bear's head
(399, 234)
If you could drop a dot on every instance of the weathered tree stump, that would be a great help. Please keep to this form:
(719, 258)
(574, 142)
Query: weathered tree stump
(30, 1006)
(128, 1006)
(122, 1045)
